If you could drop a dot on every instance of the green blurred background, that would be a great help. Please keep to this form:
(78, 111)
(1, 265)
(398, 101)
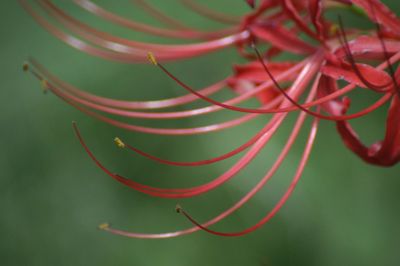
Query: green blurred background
(344, 212)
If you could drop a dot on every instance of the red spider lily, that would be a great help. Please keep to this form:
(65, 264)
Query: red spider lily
(365, 60)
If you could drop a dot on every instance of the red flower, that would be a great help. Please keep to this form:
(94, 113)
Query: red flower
(331, 52)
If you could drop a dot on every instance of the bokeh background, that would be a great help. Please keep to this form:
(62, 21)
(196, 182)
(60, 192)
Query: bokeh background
(344, 212)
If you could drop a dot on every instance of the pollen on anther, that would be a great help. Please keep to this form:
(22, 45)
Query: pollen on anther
(178, 208)
(45, 85)
(334, 29)
(119, 142)
(104, 226)
(25, 67)
(152, 58)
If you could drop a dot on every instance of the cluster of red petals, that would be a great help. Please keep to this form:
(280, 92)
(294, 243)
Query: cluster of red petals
(329, 52)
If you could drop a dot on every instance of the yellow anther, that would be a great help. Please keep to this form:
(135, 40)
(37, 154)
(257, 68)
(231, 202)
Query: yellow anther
(152, 58)
(104, 226)
(334, 29)
(119, 142)
(178, 208)
(25, 67)
(45, 85)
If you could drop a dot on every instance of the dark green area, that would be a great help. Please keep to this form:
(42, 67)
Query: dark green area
(52, 197)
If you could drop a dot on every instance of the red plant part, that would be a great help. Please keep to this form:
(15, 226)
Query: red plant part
(331, 52)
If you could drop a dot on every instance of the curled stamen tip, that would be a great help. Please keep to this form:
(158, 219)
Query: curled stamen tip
(25, 67)
(178, 208)
(152, 58)
(104, 226)
(119, 142)
(45, 85)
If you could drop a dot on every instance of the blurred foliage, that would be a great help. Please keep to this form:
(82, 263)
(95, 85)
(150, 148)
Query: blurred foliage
(344, 212)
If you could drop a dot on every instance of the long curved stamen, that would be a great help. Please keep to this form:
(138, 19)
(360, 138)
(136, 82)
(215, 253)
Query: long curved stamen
(188, 192)
(308, 71)
(123, 104)
(247, 110)
(225, 156)
(263, 111)
(280, 203)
